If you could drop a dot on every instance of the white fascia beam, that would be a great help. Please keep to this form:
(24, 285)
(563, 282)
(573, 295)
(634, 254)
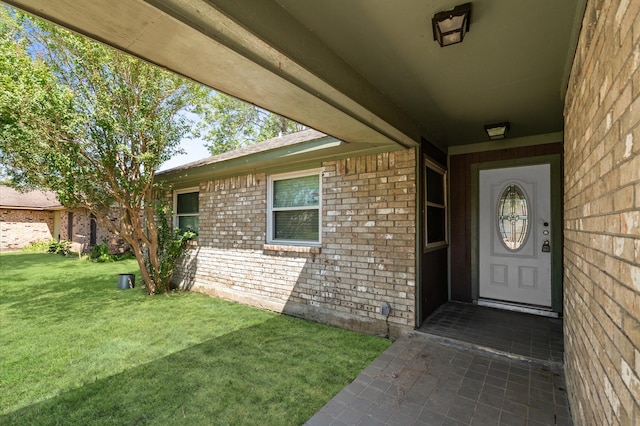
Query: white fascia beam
(195, 38)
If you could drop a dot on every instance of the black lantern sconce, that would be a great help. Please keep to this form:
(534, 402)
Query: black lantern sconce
(449, 27)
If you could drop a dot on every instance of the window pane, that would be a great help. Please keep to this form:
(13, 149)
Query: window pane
(296, 192)
(513, 217)
(435, 224)
(188, 223)
(296, 225)
(187, 203)
(435, 187)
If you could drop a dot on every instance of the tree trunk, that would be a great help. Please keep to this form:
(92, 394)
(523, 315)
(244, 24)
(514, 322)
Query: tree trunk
(134, 235)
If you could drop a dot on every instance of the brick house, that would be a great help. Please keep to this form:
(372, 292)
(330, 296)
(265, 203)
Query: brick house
(338, 249)
(28, 217)
(564, 74)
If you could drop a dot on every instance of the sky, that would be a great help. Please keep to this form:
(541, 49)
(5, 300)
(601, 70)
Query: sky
(194, 150)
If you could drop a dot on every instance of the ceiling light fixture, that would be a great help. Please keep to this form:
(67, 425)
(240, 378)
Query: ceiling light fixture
(449, 27)
(497, 131)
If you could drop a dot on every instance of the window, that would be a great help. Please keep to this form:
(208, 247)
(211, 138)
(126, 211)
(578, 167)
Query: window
(294, 202)
(436, 205)
(186, 207)
(513, 217)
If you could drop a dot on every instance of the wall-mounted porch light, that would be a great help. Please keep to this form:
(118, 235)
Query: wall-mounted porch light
(497, 131)
(449, 27)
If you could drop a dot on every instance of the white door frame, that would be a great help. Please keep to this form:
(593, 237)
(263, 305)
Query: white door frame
(555, 162)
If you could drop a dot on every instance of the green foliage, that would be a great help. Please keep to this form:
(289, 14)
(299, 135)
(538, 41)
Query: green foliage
(62, 247)
(100, 253)
(38, 246)
(30, 93)
(172, 244)
(123, 256)
(230, 123)
(91, 124)
(73, 107)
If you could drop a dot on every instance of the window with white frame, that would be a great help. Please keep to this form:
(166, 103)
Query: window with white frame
(435, 205)
(294, 208)
(186, 209)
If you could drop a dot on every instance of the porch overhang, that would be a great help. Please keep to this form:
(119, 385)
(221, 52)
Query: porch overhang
(209, 43)
(363, 71)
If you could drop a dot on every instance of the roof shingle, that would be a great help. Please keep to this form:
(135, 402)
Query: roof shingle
(36, 200)
(268, 145)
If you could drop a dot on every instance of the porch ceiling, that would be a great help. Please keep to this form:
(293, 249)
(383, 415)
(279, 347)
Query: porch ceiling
(364, 71)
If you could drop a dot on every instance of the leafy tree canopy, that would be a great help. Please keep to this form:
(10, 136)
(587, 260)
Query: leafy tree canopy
(91, 124)
(94, 124)
(229, 123)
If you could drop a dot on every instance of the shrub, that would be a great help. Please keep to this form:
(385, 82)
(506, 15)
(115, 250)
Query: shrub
(100, 253)
(123, 256)
(172, 244)
(62, 247)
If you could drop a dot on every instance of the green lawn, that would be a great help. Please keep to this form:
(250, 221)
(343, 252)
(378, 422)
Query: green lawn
(76, 350)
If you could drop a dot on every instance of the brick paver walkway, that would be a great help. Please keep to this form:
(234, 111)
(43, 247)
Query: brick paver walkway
(429, 380)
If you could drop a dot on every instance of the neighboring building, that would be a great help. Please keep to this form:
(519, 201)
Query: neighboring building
(28, 217)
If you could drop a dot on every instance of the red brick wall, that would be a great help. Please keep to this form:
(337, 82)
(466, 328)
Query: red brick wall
(19, 228)
(81, 232)
(602, 217)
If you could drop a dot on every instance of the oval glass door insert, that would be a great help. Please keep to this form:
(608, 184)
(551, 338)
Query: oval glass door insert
(513, 217)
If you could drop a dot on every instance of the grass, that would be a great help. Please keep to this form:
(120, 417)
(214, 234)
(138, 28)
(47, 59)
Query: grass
(76, 350)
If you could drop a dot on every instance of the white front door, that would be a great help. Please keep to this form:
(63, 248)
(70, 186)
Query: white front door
(514, 235)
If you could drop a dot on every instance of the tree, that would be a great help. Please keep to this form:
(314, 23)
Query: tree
(230, 123)
(93, 125)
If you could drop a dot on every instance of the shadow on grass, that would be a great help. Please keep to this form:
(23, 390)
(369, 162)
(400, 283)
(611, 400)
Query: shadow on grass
(279, 372)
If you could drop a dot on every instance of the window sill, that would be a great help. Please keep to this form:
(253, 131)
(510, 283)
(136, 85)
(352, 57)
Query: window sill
(435, 246)
(291, 249)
